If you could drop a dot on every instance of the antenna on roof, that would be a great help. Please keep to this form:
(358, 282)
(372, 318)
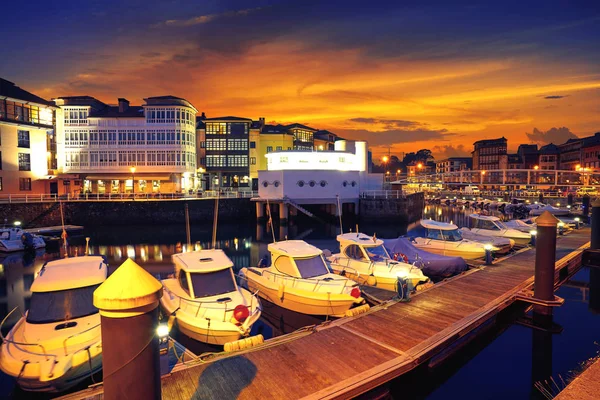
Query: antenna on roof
(356, 230)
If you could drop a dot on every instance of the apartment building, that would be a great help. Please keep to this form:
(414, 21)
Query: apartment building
(549, 155)
(529, 155)
(26, 137)
(490, 154)
(570, 154)
(453, 164)
(123, 149)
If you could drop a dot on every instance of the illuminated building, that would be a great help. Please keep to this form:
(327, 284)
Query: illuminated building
(490, 154)
(529, 155)
(224, 151)
(324, 140)
(590, 152)
(122, 148)
(453, 164)
(26, 129)
(549, 157)
(570, 154)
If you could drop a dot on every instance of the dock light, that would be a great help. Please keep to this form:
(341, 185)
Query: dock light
(577, 221)
(569, 206)
(17, 223)
(533, 236)
(162, 331)
(561, 228)
(557, 204)
(488, 253)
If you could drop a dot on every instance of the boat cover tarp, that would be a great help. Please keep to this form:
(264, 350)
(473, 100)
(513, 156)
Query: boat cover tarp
(433, 265)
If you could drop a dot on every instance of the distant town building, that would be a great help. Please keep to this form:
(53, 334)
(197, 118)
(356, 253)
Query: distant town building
(514, 161)
(27, 149)
(549, 155)
(121, 148)
(590, 157)
(490, 154)
(529, 155)
(324, 140)
(570, 154)
(453, 164)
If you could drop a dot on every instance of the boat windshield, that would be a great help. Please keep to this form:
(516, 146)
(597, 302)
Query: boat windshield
(452, 235)
(377, 253)
(311, 267)
(61, 305)
(501, 224)
(212, 283)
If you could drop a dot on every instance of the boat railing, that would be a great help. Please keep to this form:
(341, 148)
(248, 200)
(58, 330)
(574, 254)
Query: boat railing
(75, 335)
(338, 261)
(316, 282)
(44, 353)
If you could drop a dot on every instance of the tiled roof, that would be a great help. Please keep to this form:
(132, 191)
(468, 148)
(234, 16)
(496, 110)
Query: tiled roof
(9, 89)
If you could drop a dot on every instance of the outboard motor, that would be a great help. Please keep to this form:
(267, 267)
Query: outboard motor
(27, 240)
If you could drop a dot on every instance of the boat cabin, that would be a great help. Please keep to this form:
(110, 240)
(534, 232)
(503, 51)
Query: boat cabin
(11, 233)
(205, 273)
(361, 247)
(297, 259)
(63, 289)
(435, 230)
(487, 222)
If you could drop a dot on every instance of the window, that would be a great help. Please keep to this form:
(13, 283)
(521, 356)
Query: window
(278, 148)
(269, 149)
(23, 139)
(212, 283)
(24, 162)
(252, 145)
(252, 161)
(0, 183)
(183, 281)
(311, 267)
(284, 265)
(377, 253)
(62, 305)
(354, 252)
(25, 184)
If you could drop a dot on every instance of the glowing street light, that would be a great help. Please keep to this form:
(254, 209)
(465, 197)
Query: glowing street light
(132, 169)
(321, 147)
(536, 167)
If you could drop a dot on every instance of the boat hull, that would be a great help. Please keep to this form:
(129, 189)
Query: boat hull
(452, 252)
(380, 282)
(334, 305)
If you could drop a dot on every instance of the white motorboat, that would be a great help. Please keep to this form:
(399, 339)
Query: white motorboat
(364, 259)
(16, 239)
(487, 225)
(504, 245)
(57, 343)
(299, 280)
(205, 299)
(446, 239)
(538, 209)
(522, 225)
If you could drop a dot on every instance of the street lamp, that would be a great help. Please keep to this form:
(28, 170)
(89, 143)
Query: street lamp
(536, 167)
(132, 169)
(321, 147)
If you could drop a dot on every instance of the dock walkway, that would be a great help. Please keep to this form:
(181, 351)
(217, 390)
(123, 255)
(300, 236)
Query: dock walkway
(584, 387)
(350, 356)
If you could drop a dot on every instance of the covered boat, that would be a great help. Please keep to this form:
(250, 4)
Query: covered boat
(205, 299)
(445, 239)
(435, 266)
(57, 343)
(522, 225)
(299, 280)
(504, 245)
(487, 225)
(16, 239)
(364, 259)
(538, 209)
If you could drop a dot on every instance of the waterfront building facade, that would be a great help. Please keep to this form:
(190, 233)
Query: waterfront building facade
(570, 154)
(324, 140)
(549, 155)
(490, 154)
(127, 149)
(26, 137)
(225, 152)
(590, 152)
(453, 164)
(529, 155)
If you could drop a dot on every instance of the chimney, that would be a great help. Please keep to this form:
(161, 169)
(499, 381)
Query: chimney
(203, 116)
(262, 121)
(123, 105)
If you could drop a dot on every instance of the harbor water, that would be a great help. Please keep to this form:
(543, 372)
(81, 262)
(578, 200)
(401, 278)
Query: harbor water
(498, 364)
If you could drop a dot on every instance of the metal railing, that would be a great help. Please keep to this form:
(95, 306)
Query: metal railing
(75, 335)
(295, 280)
(383, 194)
(53, 198)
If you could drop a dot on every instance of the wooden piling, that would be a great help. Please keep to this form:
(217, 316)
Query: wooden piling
(545, 259)
(128, 303)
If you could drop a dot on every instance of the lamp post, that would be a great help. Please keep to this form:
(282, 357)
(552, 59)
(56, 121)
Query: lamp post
(132, 169)
(385, 159)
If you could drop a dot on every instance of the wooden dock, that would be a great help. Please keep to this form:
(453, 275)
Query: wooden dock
(350, 356)
(585, 386)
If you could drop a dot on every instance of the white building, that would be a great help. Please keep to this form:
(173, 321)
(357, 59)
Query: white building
(120, 149)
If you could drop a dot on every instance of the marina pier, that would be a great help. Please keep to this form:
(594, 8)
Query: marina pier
(350, 356)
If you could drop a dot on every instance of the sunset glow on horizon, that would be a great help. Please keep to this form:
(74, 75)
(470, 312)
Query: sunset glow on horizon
(403, 77)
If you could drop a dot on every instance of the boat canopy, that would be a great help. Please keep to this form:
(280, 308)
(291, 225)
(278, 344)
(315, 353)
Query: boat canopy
(359, 238)
(202, 261)
(484, 217)
(70, 273)
(431, 224)
(294, 248)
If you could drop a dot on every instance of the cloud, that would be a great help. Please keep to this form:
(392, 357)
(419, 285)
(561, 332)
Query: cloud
(151, 54)
(387, 123)
(393, 136)
(553, 135)
(553, 97)
(204, 19)
(446, 151)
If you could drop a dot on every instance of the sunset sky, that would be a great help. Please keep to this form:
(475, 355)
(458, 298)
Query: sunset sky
(408, 75)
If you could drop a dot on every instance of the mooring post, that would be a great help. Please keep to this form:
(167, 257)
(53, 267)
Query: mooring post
(586, 208)
(541, 198)
(128, 304)
(545, 259)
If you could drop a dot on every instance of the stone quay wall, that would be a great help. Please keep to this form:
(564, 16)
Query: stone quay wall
(405, 209)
